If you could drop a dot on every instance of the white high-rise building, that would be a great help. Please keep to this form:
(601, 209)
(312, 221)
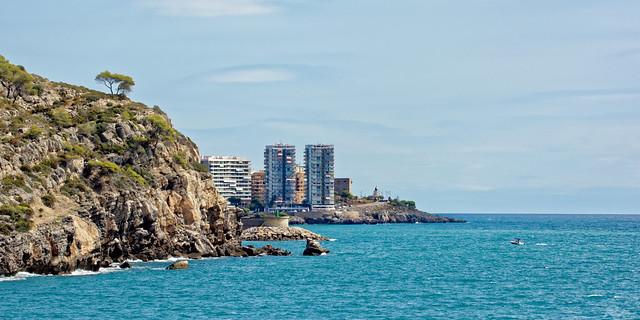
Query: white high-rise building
(231, 176)
(279, 175)
(319, 169)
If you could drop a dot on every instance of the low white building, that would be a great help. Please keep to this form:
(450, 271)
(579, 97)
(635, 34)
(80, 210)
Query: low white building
(231, 176)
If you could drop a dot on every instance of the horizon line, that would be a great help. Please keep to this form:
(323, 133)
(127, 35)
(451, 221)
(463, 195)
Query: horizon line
(539, 213)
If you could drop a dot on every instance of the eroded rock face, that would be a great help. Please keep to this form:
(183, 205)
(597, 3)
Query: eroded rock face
(101, 180)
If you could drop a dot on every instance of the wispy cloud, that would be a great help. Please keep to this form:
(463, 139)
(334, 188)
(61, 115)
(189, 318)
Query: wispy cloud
(577, 94)
(252, 75)
(210, 8)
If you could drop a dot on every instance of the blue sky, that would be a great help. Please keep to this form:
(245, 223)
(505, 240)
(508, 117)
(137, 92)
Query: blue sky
(464, 106)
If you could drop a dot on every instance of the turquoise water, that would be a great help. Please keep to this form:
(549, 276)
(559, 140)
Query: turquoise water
(571, 267)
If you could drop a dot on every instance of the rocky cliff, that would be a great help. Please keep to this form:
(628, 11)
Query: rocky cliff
(88, 179)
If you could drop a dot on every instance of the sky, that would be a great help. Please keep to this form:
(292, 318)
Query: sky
(464, 106)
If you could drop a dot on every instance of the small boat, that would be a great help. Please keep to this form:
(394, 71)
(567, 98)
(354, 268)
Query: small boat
(517, 241)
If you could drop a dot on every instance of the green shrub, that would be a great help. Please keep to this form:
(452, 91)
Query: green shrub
(37, 90)
(47, 164)
(180, 159)
(135, 176)
(126, 115)
(137, 141)
(13, 181)
(93, 96)
(200, 167)
(105, 165)
(112, 148)
(162, 126)
(61, 117)
(33, 133)
(403, 203)
(74, 186)
(19, 215)
(87, 129)
(48, 200)
(75, 151)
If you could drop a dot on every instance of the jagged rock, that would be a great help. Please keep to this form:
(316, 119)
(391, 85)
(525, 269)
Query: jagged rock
(182, 264)
(314, 249)
(279, 233)
(125, 265)
(267, 250)
(124, 186)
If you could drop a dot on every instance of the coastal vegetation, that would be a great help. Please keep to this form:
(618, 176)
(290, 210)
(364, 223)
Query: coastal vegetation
(15, 217)
(122, 84)
(15, 79)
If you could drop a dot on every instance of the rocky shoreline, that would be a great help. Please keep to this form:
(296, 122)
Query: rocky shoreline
(375, 213)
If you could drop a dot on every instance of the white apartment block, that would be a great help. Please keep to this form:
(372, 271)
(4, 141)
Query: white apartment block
(231, 176)
(319, 169)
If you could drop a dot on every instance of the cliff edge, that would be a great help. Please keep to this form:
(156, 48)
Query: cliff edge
(88, 179)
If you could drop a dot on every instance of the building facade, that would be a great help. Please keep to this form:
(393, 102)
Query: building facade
(231, 176)
(301, 191)
(343, 185)
(257, 186)
(319, 169)
(279, 175)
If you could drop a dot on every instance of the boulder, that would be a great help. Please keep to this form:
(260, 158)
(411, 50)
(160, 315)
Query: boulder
(267, 250)
(314, 248)
(182, 264)
(125, 265)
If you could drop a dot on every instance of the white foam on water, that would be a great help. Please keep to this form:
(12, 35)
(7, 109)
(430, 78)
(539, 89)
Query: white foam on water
(81, 272)
(211, 258)
(20, 276)
(170, 259)
(133, 260)
(541, 244)
(323, 254)
(332, 239)
(593, 295)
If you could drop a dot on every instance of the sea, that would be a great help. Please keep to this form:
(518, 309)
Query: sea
(570, 267)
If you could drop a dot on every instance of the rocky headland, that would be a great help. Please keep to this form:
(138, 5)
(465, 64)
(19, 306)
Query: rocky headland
(369, 213)
(89, 179)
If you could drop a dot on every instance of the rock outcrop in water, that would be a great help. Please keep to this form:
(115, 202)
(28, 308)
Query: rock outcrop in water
(182, 264)
(267, 250)
(88, 179)
(279, 233)
(314, 248)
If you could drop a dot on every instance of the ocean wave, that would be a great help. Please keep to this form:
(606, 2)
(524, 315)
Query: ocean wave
(332, 239)
(541, 244)
(20, 276)
(594, 295)
(170, 259)
(81, 272)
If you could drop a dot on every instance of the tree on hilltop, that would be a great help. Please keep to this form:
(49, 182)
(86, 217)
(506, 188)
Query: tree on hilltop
(15, 79)
(122, 84)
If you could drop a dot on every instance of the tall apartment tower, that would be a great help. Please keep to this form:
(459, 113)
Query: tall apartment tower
(319, 169)
(231, 176)
(279, 175)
